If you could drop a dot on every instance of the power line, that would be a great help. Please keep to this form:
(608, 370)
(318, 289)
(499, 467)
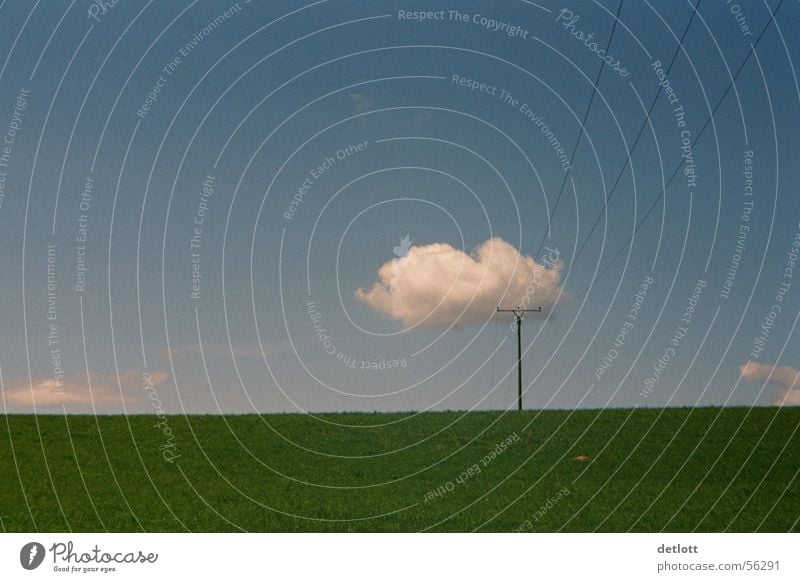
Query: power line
(580, 133)
(638, 137)
(697, 138)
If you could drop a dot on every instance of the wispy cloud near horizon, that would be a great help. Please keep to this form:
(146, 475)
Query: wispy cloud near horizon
(77, 394)
(786, 378)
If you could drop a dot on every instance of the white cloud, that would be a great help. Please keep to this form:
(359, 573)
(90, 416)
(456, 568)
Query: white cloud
(785, 377)
(75, 391)
(439, 285)
(215, 350)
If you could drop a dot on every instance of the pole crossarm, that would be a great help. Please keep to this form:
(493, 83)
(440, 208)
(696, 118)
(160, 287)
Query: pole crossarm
(518, 313)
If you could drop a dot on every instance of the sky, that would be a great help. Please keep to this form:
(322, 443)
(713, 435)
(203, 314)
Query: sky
(216, 207)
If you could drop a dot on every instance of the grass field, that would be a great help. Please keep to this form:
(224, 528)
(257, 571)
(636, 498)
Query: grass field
(706, 469)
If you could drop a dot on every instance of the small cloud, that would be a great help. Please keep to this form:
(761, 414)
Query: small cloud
(214, 350)
(106, 389)
(786, 378)
(439, 285)
(422, 118)
(361, 101)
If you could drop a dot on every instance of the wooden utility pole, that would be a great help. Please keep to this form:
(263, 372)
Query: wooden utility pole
(518, 313)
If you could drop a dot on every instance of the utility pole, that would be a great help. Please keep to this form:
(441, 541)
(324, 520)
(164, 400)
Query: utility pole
(518, 313)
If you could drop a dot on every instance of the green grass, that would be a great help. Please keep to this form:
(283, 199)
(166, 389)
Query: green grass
(705, 469)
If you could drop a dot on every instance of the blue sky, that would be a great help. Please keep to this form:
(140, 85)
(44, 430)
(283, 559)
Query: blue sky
(361, 105)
